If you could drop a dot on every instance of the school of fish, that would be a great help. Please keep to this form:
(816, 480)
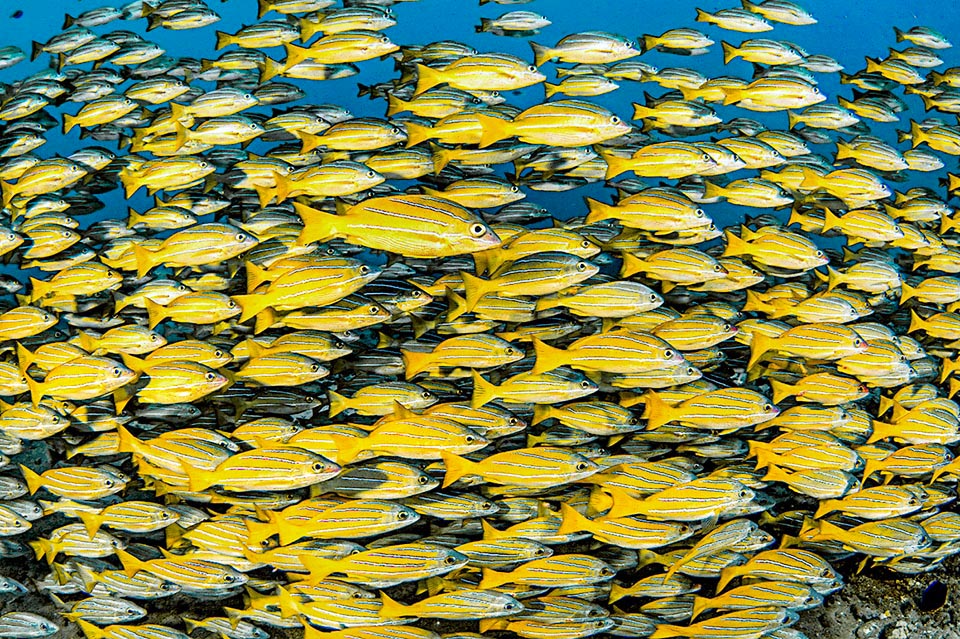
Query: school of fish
(352, 383)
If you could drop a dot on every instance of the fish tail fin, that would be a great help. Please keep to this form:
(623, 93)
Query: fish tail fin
(825, 508)
(781, 390)
(256, 275)
(318, 226)
(251, 304)
(830, 220)
(414, 362)
(155, 313)
(91, 631)
(917, 134)
(36, 390)
(457, 305)
(668, 630)
(792, 120)
(289, 606)
(734, 245)
(265, 319)
(702, 16)
(441, 157)
(131, 565)
(597, 210)
(474, 288)
(623, 504)
(572, 521)
(199, 479)
(455, 467)
(898, 33)
(727, 575)
(34, 481)
(348, 448)
(427, 78)
(69, 121)
(494, 129)
(549, 90)
(917, 323)
(632, 264)
(492, 579)
(392, 608)
(272, 68)
(417, 133)
(834, 278)
(656, 411)
(295, 54)
(729, 51)
(873, 65)
(700, 605)
(145, 258)
(224, 39)
(548, 357)
(615, 165)
(541, 54)
(759, 345)
(91, 522)
(712, 190)
(483, 391)
(541, 412)
(338, 403)
(395, 105)
(24, 358)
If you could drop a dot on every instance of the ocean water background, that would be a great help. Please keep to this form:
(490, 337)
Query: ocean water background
(847, 31)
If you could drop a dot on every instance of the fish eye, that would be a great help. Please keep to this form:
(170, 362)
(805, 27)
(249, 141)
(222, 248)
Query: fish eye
(108, 483)
(539, 552)
(415, 294)
(825, 572)
(727, 328)
(509, 606)
(717, 268)
(374, 310)
(314, 368)
(422, 480)
(581, 266)
(231, 304)
(699, 213)
(913, 501)
(477, 230)
(218, 353)
(668, 354)
(532, 68)
(585, 384)
(653, 297)
(364, 269)
(55, 419)
(403, 515)
(395, 131)
(247, 96)
(514, 189)
(858, 342)
(816, 90)
(240, 237)
(384, 39)
(370, 174)
(615, 120)
(767, 408)
(450, 561)
(469, 439)
(67, 233)
(116, 372)
(744, 494)
(153, 337)
(12, 237)
(605, 572)
(509, 351)
(705, 157)
(228, 578)
(819, 253)
(209, 377)
(317, 467)
(583, 466)
(164, 515)
(426, 395)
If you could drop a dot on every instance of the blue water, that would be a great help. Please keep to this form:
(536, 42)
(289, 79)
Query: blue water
(847, 31)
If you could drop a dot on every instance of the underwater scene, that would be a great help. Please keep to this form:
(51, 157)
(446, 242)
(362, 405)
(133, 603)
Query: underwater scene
(446, 319)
